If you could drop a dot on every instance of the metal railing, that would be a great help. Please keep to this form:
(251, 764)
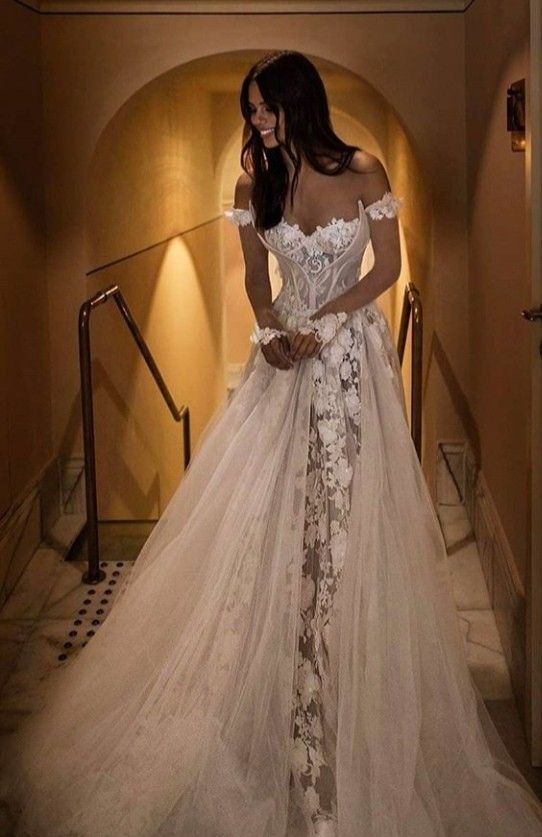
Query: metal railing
(94, 574)
(412, 310)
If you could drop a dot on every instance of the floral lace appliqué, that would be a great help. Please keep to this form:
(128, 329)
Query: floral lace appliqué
(333, 445)
(240, 217)
(388, 206)
(317, 250)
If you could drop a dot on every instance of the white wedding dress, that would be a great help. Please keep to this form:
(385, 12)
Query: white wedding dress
(285, 658)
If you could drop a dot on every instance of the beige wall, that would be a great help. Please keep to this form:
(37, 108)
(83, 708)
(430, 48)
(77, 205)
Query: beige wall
(499, 282)
(151, 180)
(25, 406)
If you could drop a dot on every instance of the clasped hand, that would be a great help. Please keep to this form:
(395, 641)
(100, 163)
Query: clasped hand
(282, 351)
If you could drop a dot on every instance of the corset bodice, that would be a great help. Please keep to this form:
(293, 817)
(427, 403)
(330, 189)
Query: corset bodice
(318, 266)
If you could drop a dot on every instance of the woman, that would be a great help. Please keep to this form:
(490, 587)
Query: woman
(285, 657)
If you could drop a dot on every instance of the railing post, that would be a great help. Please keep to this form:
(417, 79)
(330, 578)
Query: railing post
(186, 436)
(417, 363)
(93, 573)
(412, 310)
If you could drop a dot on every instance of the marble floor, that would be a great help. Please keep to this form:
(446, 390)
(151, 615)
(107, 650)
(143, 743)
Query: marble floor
(483, 646)
(51, 615)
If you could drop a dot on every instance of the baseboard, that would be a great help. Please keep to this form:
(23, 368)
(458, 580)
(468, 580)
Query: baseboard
(53, 503)
(506, 591)
(20, 535)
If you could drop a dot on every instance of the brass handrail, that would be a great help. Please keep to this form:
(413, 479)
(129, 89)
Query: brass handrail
(412, 309)
(94, 574)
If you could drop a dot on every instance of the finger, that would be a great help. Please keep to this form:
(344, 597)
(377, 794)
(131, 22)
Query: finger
(281, 360)
(285, 345)
(294, 342)
(296, 345)
(305, 346)
(284, 354)
(312, 349)
(270, 355)
(311, 346)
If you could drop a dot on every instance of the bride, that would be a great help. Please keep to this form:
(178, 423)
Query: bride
(285, 657)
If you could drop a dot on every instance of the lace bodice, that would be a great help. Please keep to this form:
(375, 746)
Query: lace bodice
(317, 250)
(316, 267)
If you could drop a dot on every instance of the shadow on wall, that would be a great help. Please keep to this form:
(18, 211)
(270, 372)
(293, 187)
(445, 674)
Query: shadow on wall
(162, 173)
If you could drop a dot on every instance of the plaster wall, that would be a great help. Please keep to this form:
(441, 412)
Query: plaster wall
(153, 229)
(25, 396)
(499, 284)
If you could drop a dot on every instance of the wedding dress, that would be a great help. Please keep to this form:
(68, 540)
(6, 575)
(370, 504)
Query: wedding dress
(285, 656)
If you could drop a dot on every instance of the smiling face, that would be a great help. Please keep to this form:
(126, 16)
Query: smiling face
(263, 119)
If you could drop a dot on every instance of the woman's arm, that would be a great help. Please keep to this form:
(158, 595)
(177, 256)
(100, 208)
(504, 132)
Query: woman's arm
(257, 281)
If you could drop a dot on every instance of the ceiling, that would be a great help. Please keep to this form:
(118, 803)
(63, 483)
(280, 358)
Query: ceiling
(246, 7)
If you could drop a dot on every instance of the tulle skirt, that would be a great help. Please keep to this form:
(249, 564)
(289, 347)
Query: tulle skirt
(286, 649)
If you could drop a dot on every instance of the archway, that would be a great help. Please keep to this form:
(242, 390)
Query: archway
(161, 174)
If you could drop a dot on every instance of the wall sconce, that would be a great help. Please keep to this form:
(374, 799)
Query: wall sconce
(515, 114)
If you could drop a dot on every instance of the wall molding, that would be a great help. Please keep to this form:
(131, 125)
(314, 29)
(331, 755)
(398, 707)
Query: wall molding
(50, 512)
(229, 7)
(506, 590)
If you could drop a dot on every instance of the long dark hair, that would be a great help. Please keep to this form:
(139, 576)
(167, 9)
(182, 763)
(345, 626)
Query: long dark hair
(287, 78)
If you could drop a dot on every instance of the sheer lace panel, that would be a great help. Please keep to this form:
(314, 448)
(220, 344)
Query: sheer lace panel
(334, 443)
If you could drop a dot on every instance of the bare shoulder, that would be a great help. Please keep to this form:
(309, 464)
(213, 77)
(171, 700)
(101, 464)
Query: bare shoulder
(372, 180)
(365, 163)
(243, 190)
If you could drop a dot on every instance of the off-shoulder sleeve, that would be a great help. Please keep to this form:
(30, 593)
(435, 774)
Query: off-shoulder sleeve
(387, 206)
(240, 217)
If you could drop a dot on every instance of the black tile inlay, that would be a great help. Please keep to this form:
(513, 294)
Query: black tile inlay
(73, 642)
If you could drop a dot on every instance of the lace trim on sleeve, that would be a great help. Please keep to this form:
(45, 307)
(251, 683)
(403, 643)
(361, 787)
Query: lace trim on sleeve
(240, 217)
(387, 206)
